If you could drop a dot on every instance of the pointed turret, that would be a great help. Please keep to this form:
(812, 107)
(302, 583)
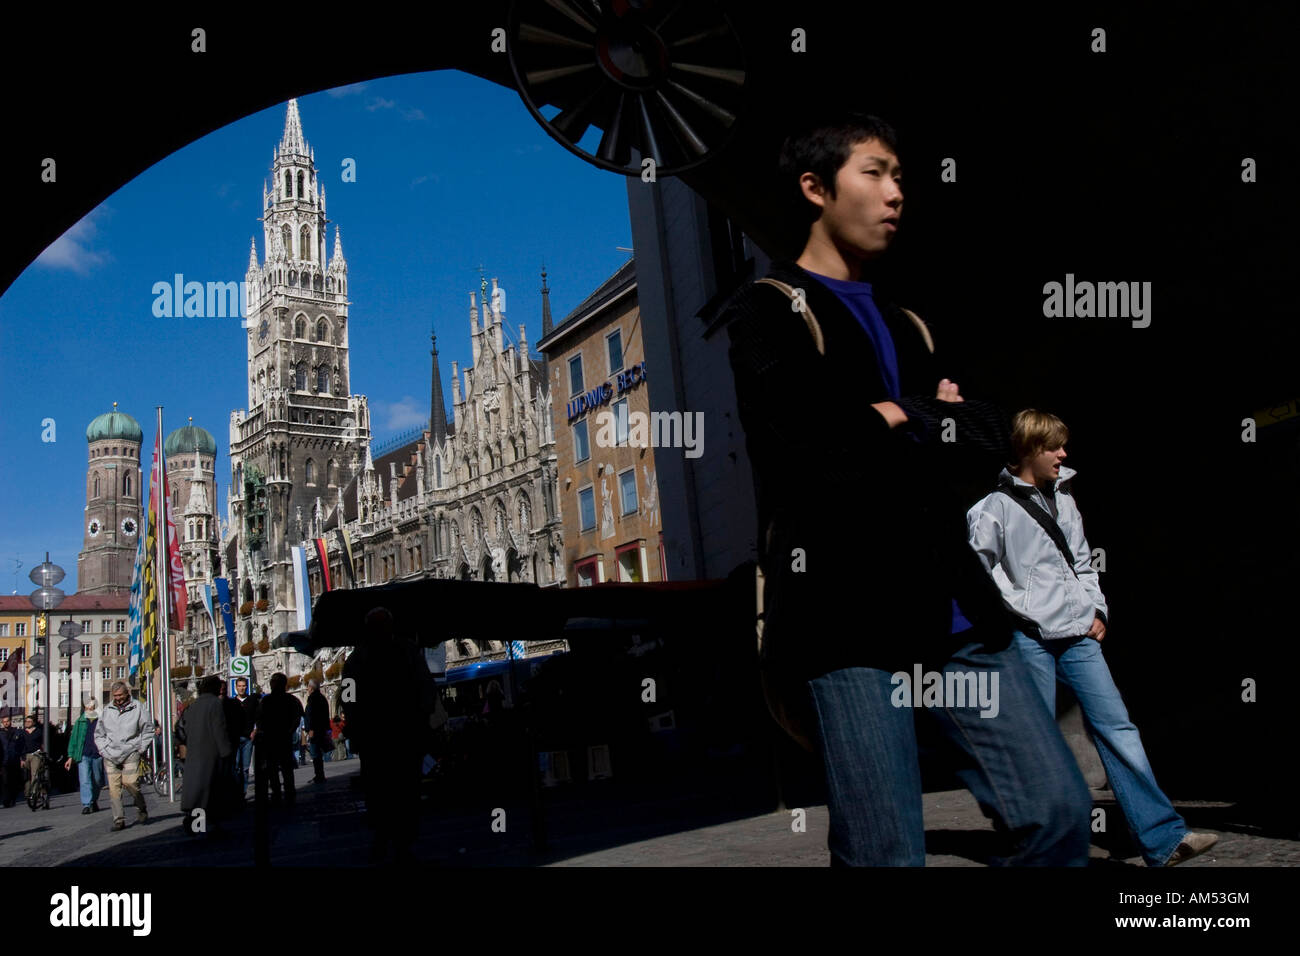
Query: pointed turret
(337, 263)
(546, 306)
(292, 142)
(437, 412)
(252, 254)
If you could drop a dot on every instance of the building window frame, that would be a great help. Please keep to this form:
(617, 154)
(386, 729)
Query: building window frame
(590, 565)
(580, 427)
(575, 386)
(589, 490)
(610, 339)
(623, 502)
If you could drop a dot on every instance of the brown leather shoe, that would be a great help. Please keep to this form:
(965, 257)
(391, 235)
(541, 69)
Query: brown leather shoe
(1194, 844)
(119, 825)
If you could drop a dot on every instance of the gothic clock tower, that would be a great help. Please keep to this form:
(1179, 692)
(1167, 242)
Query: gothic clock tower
(303, 435)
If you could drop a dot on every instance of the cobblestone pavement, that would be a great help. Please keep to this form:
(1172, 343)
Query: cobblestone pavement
(327, 828)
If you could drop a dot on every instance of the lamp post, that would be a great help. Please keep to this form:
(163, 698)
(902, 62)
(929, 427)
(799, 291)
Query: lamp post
(45, 599)
(71, 647)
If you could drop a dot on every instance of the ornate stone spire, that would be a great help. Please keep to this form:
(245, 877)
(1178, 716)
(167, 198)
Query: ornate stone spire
(198, 488)
(292, 141)
(337, 262)
(547, 325)
(437, 411)
(252, 254)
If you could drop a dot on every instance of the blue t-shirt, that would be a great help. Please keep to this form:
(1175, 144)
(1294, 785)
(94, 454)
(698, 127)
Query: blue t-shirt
(859, 300)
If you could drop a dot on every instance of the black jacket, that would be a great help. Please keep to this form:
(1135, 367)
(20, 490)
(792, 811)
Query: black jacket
(249, 707)
(277, 720)
(874, 510)
(317, 716)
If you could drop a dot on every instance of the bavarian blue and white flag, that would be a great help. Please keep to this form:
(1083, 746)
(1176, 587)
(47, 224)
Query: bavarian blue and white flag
(517, 649)
(133, 608)
(302, 596)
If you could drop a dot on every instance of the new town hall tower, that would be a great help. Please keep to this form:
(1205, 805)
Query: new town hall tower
(303, 436)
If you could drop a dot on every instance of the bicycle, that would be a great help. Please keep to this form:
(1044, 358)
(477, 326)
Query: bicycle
(38, 794)
(157, 776)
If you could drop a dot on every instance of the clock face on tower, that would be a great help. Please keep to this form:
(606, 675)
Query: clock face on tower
(93, 528)
(263, 330)
(128, 527)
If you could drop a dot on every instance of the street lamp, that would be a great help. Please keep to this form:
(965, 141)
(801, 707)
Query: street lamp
(70, 647)
(45, 599)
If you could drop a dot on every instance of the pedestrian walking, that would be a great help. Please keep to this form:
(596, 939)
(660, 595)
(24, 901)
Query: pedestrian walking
(248, 703)
(83, 752)
(275, 739)
(31, 756)
(11, 783)
(825, 318)
(207, 747)
(317, 721)
(1029, 534)
(122, 734)
(232, 781)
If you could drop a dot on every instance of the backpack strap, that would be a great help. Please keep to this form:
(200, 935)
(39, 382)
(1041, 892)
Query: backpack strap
(815, 327)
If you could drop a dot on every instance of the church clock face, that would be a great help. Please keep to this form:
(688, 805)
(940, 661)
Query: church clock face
(263, 330)
(94, 528)
(128, 527)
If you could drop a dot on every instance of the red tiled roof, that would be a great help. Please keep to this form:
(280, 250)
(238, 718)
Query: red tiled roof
(20, 603)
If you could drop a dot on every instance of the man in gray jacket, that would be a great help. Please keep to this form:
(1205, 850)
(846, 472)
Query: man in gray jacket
(1029, 535)
(124, 732)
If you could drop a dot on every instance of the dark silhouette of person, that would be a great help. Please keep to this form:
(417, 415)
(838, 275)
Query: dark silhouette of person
(232, 789)
(207, 751)
(388, 695)
(317, 720)
(274, 740)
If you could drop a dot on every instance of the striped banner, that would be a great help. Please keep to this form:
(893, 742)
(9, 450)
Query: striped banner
(133, 608)
(347, 555)
(302, 596)
(517, 649)
(323, 555)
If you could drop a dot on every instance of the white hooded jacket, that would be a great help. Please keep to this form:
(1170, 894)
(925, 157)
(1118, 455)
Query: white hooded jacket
(1027, 565)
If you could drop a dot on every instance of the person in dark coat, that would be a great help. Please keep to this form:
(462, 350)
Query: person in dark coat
(232, 776)
(317, 717)
(207, 745)
(387, 717)
(274, 740)
(12, 783)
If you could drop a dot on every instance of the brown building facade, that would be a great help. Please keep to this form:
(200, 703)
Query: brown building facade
(606, 477)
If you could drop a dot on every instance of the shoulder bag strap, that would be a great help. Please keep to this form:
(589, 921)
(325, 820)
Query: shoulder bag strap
(1045, 521)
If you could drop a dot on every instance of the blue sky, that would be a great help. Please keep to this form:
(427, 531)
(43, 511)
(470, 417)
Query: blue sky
(452, 171)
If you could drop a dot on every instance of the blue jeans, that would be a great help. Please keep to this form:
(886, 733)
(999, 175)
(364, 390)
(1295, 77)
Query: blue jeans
(244, 759)
(1156, 826)
(1016, 764)
(90, 773)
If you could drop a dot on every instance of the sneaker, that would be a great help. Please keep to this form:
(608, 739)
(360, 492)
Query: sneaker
(1194, 844)
(85, 810)
(119, 825)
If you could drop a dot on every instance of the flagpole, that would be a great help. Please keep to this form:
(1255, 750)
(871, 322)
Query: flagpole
(164, 587)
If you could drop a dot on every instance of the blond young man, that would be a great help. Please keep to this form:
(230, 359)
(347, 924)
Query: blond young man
(1029, 535)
